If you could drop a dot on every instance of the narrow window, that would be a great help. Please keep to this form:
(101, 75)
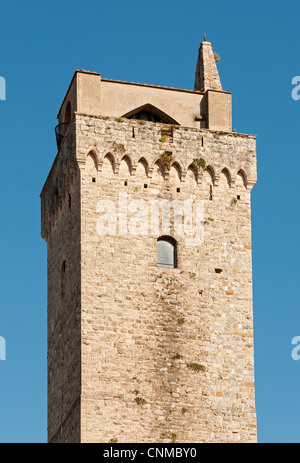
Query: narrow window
(166, 252)
(63, 284)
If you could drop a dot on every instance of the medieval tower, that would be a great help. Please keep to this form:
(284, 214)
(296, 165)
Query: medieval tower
(150, 328)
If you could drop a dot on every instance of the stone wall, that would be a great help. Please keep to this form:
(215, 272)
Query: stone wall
(61, 229)
(136, 352)
(145, 327)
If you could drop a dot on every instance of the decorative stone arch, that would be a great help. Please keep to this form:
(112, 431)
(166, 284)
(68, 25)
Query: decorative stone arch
(212, 172)
(109, 156)
(191, 168)
(242, 174)
(150, 113)
(142, 161)
(157, 171)
(155, 161)
(176, 165)
(93, 153)
(90, 167)
(226, 172)
(127, 160)
(111, 159)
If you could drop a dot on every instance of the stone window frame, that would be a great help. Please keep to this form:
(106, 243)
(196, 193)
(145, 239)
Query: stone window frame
(170, 240)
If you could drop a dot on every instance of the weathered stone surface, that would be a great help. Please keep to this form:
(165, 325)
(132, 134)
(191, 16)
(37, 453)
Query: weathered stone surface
(206, 76)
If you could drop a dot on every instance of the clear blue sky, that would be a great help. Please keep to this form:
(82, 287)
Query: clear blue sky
(41, 44)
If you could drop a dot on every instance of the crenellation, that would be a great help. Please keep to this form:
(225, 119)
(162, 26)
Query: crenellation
(219, 152)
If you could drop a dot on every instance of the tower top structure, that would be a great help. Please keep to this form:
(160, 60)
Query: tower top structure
(207, 75)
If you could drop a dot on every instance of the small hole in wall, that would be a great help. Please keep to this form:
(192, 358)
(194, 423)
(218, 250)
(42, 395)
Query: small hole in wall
(145, 185)
(210, 193)
(218, 270)
(69, 201)
(133, 134)
(93, 180)
(202, 142)
(125, 183)
(178, 190)
(238, 197)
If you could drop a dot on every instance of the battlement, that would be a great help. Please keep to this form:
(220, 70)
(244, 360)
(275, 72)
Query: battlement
(218, 149)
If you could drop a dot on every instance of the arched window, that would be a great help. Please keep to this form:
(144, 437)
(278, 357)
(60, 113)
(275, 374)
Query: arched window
(166, 252)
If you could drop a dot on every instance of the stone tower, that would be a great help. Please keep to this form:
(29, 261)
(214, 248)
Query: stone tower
(150, 329)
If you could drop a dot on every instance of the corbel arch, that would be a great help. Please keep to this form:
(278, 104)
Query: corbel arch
(241, 178)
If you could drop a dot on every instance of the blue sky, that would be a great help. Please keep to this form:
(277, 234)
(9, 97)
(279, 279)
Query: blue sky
(41, 44)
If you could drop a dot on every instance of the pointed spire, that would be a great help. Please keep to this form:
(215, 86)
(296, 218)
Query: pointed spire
(207, 76)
